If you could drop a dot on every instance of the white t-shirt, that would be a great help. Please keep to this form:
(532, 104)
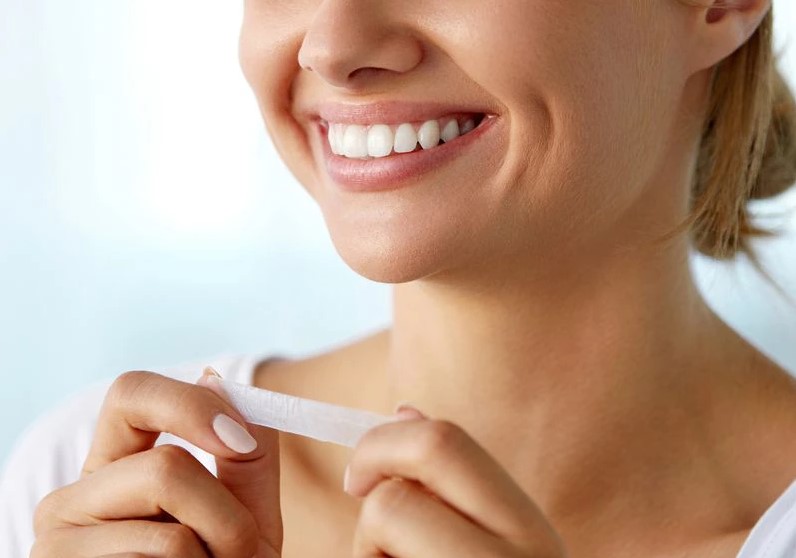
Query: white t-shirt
(51, 452)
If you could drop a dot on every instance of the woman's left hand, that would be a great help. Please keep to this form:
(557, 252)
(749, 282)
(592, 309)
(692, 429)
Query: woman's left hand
(430, 491)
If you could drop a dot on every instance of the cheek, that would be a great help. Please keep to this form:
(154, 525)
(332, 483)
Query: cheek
(585, 100)
(268, 58)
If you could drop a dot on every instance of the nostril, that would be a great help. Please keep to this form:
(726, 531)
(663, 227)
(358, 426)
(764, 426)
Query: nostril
(361, 74)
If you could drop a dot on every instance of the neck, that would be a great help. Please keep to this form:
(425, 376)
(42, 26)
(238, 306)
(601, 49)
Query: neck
(555, 377)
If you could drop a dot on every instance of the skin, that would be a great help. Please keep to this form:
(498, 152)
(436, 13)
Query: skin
(579, 398)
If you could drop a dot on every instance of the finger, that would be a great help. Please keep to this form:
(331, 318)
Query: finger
(125, 538)
(125, 555)
(255, 483)
(143, 485)
(400, 518)
(141, 405)
(445, 459)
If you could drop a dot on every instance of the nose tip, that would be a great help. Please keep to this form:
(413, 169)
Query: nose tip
(345, 47)
(342, 66)
(329, 66)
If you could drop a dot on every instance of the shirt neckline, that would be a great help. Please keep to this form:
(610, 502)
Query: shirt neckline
(778, 515)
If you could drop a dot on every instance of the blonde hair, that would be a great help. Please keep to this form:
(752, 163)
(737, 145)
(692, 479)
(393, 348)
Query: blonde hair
(748, 146)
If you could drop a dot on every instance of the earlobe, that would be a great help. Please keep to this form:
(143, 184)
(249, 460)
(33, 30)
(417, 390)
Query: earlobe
(749, 13)
(727, 25)
(714, 15)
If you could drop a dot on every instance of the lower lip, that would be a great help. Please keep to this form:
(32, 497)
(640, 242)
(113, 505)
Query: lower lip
(397, 170)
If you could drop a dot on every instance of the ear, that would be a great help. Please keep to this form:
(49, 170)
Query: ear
(723, 26)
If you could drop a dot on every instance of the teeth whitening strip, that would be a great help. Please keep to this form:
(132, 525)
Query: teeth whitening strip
(316, 419)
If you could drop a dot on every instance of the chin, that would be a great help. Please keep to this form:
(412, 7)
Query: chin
(410, 233)
(391, 256)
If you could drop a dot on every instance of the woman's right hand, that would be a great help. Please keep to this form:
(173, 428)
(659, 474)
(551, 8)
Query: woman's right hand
(137, 499)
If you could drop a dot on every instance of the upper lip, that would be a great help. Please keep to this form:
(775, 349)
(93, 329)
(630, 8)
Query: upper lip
(387, 112)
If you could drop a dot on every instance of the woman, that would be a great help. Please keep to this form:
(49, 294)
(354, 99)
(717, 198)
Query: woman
(521, 171)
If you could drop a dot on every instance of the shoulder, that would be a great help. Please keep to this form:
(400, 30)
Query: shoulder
(50, 452)
(763, 420)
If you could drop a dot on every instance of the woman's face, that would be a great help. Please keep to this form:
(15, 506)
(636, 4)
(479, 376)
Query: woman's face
(581, 99)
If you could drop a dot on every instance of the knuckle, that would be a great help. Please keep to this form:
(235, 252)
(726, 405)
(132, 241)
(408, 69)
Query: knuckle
(439, 438)
(383, 504)
(126, 385)
(175, 539)
(169, 461)
(46, 511)
(240, 531)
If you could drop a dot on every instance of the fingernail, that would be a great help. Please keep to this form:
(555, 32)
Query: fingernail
(406, 411)
(234, 436)
(207, 373)
(345, 477)
(401, 404)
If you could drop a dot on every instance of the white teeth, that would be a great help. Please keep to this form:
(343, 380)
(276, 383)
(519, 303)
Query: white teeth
(450, 131)
(405, 138)
(334, 138)
(339, 132)
(428, 134)
(355, 141)
(380, 140)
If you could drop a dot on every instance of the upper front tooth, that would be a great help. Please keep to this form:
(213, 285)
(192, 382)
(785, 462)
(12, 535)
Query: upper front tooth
(380, 140)
(468, 125)
(428, 134)
(339, 131)
(405, 138)
(450, 131)
(355, 141)
(333, 134)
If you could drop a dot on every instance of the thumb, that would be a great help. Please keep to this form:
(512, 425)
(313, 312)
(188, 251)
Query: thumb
(253, 479)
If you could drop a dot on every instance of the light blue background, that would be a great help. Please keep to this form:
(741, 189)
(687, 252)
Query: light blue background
(148, 221)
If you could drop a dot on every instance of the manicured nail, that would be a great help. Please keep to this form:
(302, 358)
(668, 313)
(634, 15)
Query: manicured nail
(345, 477)
(401, 404)
(207, 373)
(233, 434)
(406, 411)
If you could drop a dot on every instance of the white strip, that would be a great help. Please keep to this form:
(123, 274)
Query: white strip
(316, 419)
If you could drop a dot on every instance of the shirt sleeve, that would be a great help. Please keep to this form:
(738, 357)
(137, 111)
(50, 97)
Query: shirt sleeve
(49, 454)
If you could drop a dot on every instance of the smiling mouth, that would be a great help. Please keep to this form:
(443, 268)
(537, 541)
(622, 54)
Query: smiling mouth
(375, 141)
